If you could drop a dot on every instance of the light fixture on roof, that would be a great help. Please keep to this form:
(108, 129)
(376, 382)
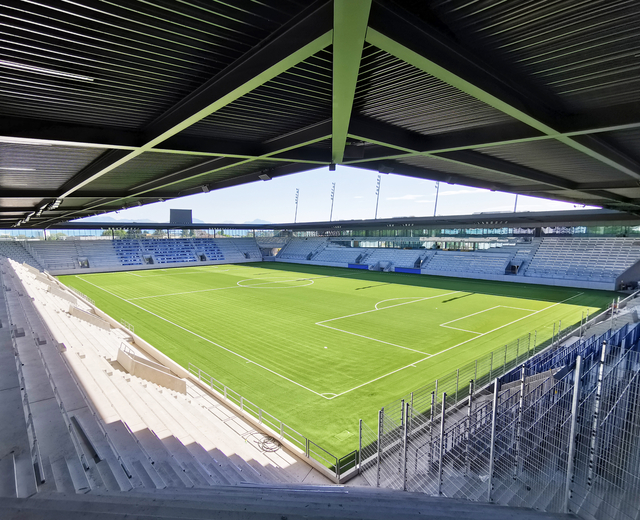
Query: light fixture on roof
(17, 169)
(56, 204)
(264, 177)
(205, 189)
(385, 168)
(41, 70)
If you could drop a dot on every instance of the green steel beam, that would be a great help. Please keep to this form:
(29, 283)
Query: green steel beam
(311, 34)
(350, 19)
(507, 104)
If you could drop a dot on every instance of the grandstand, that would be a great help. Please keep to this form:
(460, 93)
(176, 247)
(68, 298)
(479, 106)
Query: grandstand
(108, 106)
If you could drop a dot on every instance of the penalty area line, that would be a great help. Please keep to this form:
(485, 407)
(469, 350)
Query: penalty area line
(208, 340)
(455, 346)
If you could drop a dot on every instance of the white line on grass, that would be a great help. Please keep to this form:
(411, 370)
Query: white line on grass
(463, 330)
(455, 346)
(373, 339)
(220, 288)
(176, 294)
(207, 340)
(467, 316)
(384, 308)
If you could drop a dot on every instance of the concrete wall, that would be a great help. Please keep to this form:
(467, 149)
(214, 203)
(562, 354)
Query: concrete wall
(89, 318)
(630, 275)
(118, 268)
(556, 282)
(151, 371)
(63, 294)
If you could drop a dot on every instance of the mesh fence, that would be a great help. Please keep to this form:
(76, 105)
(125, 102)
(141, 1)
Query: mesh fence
(369, 454)
(542, 441)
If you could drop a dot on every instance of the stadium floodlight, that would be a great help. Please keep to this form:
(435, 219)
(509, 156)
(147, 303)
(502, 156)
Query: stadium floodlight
(295, 218)
(205, 189)
(264, 177)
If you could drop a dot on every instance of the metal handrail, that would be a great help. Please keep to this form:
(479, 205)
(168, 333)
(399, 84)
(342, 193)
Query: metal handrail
(321, 455)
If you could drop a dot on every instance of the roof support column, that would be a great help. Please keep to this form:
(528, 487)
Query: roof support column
(350, 19)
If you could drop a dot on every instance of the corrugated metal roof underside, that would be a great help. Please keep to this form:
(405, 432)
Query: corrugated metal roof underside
(143, 58)
(471, 172)
(627, 141)
(226, 173)
(557, 159)
(585, 51)
(41, 167)
(393, 91)
(144, 168)
(297, 98)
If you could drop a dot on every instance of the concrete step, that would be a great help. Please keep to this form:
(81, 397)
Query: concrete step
(206, 461)
(183, 456)
(250, 474)
(227, 467)
(266, 502)
(161, 459)
(61, 476)
(136, 460)
(8, 484)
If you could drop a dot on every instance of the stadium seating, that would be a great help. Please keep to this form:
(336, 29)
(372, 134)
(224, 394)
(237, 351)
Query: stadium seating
(469, 262)
(128, 251)
(398, 257)
(338, 255)
(99, 253)
(16, 251)
(102, 429)
(207, 247)
(166, 251)
(54, 254)
(302, 248)
(594, 259)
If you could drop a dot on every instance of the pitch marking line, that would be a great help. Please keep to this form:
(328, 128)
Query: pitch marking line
(322, 323)
(446, 323)
(373, 339)
(207, 340)
(221, 288)
(388, 307)
(455, 346)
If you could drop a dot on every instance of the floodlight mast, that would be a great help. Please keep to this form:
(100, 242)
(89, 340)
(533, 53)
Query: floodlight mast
(435, 207)
(295, 218)
(377, 196)
(333, 194)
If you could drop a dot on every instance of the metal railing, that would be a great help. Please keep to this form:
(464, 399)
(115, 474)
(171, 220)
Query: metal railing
(81, 295)
(336, 466)
(128, 325)
(568, 442)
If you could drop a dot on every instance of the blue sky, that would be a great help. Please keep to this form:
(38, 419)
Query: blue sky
(274, 200)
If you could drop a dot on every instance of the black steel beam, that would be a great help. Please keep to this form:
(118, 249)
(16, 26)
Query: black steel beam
(493, 164)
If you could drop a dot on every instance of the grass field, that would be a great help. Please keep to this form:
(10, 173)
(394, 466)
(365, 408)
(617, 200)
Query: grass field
(322, 347)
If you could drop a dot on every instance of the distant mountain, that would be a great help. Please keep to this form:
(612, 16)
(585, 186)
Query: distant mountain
(99, 218)
(258, 221)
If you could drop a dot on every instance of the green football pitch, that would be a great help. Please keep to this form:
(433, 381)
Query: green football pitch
(321, 347)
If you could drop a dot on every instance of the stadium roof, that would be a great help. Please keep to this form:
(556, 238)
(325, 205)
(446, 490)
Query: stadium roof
(602, 217)
(108, 105)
